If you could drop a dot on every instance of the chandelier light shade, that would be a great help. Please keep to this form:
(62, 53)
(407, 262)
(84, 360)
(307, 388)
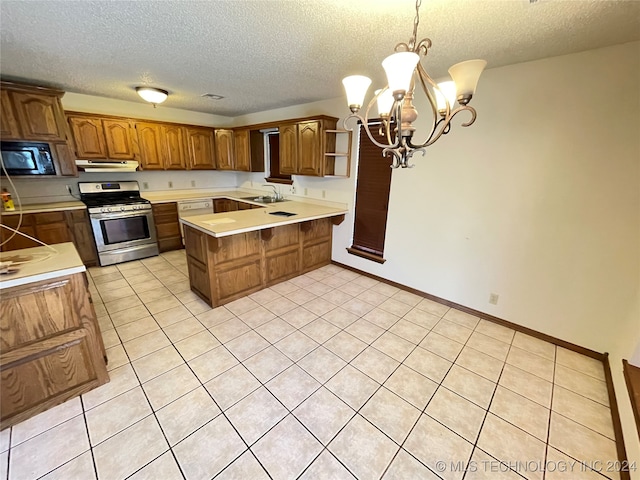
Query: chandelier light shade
(152, 95)
(395, 101)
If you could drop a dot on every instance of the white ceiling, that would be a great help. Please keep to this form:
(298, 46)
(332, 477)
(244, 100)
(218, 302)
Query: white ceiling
(265, 54)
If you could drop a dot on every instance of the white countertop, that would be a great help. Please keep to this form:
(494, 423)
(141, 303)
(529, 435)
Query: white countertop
(48, 207)
(240, 221)
(46, 264)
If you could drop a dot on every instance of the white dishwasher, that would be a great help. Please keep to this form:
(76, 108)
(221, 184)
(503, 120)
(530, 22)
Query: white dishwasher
(191, 208)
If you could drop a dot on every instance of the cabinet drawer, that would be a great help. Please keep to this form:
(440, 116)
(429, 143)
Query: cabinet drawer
(49, 217)
(12, 220)
(167, 230)
(77, 215)
(162, 218)
(162, 208)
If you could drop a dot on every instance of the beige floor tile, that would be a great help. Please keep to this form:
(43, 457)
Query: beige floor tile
(321, 364)
(296, 345)
(326, 467)
(510, 444)
(229, 330)
(504, 334)
(363, 448)
(137, 328)
(319, 289)
(345, 345)
(364, 330)
(395, 307)
(120, 304)
(186, 414)
(197, 306)
(284, 288)
(146, 344)
(194, 453)
(287, 449)
(256, 317)
(99, 271)
(292, 386)
(583, 384)
(281, 305)
(319, 306)
(470, 385)
(80, 467)
(129, 315)
(116, 356)
(442, 346)
(146, 286)
(164, 467)
(275, 330)
(165, 388)
(196, 345)
(394, 346)
(104, 321)
(580, 442)
(365, 281)
(452, 331)
(372, 298)
(404, 467)
(232, 386)
(462, 318)
(411, 386)
(375, 364)
(265, 296)
(42, 453)
(489, 345)
(115, 415)
(434, 308)
(324, 414)
(185, 296)
(527, 385)
(535, 345)
(110, 338)
(267, 364)
(357, 307)
(246, 466)
(409, 298)
(333, 281)
(242, 305)
(320, 330)
(5, 439)
(181, 330)
(42, 422)
(299, 317)
(352, 387)
(485, 467)
(381, 318)
(353, 289)
(172, 315)
(340, 317)
(521, 412)
(385, 289)
(212, 363)
(391, 414)
(215, 316)
(480, 363)
(428, 364)
(107, 278)
(154, 294)
(337, 297)
(409, 331)
(254, 415)
(181, 286)
(563, 467)
(157, 363)
(247, 345)
(302, 281)
(111, 286)
(142, 277)
(532, 363)
(583, 410)
(457, 413)
(422, 318)
(122, 379)
(582, 363)
(162, 304)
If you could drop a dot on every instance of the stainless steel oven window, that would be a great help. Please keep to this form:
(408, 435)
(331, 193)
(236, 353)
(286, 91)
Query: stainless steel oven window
(126, 229)
(128, 240)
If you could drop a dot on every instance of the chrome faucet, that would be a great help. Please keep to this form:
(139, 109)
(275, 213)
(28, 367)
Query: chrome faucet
(276, 193)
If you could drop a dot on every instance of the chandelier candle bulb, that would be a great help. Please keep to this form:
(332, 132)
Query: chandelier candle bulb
(466, 76)
(356, 87)
(445, 91)
(399, 68)
(385, 102)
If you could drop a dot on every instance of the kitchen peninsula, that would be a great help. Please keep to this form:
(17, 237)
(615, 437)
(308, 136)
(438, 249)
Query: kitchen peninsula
(233, 254)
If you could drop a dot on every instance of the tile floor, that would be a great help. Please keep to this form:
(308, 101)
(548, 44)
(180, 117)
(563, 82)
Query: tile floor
(330, 375)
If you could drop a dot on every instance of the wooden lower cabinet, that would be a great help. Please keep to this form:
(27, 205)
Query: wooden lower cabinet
(224, 269)
(51, 349)
(165, 218)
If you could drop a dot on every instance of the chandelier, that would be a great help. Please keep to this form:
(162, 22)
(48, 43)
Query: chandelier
(395, 101)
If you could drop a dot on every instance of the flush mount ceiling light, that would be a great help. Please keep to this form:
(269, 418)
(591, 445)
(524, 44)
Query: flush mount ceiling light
(395, 101)
(152, 95)
(212, 96)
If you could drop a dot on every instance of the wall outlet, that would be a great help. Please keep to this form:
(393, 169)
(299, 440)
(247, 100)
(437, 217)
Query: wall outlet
(493, 298)
(293, 190)
(306, 191)
(68, 187)
(193, 183)
(170, 184)
(145, 185)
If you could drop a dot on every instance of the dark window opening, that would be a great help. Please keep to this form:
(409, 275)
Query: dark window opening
(272, 140)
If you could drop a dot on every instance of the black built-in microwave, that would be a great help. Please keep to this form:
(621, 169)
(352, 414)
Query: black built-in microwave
(27, 158)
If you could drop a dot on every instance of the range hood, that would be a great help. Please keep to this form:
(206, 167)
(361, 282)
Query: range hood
(106, 166)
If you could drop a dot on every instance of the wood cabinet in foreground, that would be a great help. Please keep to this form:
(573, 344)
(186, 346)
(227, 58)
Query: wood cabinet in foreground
(51, 349)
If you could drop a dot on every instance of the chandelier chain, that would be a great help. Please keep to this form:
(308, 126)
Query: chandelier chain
(416, 21)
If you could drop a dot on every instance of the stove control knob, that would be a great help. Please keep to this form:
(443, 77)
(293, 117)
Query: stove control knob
(122, 209)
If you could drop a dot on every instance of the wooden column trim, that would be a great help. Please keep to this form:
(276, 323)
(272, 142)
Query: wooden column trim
(632, 380)
(615, 417)
(266, 234)
(338, 219)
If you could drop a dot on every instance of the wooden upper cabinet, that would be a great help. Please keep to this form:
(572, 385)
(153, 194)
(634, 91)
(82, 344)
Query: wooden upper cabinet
(224, 149)
(150, 145)
(201, 148)
(8, 124)
(242, 147)
(89, 137)
(288, 149)
(175, 147)
(119, 139)
(40, 116)
(310, 153)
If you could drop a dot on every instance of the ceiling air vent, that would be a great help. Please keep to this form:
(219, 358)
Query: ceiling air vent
(212, 96)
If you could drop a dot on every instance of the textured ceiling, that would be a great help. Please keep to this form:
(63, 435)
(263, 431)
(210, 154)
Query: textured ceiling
(265, 54)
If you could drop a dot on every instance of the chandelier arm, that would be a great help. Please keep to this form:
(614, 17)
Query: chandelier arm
(424, 79)
(396, 156)
(447, 124)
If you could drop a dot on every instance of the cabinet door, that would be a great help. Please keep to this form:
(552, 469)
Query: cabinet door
(65, 161)
(39, 115)
(175, 147)
(80, 226)
(224, 149)
(310, 155)
(89, 137)
(150, 145)
(201, 151)
(8, 123)
(119, 139)
(52, 233)
(242, 150)
(224, 205)
(288, 149)
(18, 241)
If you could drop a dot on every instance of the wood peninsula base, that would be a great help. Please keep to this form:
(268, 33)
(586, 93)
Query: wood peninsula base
(223, 269)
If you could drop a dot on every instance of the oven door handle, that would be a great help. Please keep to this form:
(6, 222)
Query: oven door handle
(113, 215)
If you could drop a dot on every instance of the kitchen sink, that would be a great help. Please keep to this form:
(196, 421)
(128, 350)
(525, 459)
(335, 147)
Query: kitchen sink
(264, 199)
(283, 214)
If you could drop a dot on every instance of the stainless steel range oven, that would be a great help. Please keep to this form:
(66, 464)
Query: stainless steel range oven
(122, 221)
